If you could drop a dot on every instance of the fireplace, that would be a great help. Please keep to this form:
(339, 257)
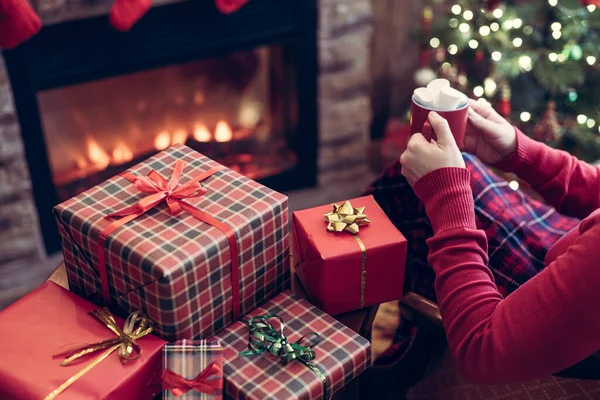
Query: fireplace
(241, 89)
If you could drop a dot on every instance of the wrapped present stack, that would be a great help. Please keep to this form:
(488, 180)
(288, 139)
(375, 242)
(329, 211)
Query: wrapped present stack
(185, 249)
(194, 244)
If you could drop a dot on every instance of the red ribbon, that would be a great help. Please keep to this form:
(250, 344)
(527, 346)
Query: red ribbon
(160, 190)
(179, 386)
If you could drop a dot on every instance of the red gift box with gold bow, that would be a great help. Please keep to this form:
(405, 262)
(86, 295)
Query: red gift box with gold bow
(190, 242)
(57, 345)
(349, 255)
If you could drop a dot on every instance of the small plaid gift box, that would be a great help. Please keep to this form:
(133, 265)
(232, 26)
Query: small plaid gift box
(340, 354)
(193, 369)
(179, 236)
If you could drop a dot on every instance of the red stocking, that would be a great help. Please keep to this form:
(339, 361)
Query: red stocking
(230, 6)
(18, 22)
(125, 13)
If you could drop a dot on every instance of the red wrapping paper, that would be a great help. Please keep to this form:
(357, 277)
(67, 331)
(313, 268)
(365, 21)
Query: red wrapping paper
(330, 264)
(50, 317)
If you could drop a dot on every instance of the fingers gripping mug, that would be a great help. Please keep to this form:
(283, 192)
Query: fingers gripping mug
(457, 120)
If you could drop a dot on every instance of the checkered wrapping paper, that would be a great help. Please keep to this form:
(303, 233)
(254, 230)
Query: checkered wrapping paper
(188, 358)
(341, 355)
(177, 268)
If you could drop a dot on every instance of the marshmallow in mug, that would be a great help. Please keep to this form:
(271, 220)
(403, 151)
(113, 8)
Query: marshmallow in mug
(438, 95)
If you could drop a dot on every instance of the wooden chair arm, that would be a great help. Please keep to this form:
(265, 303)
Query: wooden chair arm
(421, 311)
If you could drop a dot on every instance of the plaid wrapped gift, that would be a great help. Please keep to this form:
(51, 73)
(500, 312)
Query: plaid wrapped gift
(200, 363)
(341, 355)
(175, 267)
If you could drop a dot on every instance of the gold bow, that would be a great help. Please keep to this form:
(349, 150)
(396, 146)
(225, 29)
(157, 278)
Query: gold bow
(346, 218)
(137, 325)
(350, 219)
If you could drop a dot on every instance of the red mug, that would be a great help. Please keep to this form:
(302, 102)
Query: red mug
(457, 120)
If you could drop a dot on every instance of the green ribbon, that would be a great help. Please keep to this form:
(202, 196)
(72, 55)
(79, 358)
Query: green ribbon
(264, 338)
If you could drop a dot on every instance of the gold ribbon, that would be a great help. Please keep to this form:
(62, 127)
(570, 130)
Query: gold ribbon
(345, 218)
(137, 325)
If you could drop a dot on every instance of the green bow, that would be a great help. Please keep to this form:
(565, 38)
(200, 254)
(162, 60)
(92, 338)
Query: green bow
(264, 338)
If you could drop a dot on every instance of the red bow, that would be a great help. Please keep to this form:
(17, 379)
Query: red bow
(179, 386)
(160, 190)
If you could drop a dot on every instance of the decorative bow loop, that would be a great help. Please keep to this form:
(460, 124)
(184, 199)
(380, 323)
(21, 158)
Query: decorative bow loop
(179, 386)
(136, 326)
(160, 190)
(264, 338)
(346, 218)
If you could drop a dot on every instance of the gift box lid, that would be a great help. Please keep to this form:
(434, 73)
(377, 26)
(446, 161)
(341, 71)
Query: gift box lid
(341, 355)
(47, 320)
(319, 243)
(159, 245)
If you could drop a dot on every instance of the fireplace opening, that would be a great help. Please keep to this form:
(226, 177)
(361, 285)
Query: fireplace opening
(239, 109)
(239, 88)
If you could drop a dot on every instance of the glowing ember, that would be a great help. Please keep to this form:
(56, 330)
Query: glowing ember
(223, 132)
(179, 137)
(96, 155)
(202, 134)
(81, 163)
(162, 141)
(121, 154)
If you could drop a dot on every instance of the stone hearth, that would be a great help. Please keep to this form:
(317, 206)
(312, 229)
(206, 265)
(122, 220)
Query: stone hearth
(344, 107)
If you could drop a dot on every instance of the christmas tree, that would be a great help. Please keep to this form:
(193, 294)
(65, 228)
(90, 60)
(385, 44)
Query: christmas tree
(536, 61)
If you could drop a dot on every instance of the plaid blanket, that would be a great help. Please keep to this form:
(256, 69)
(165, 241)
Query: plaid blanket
(520, 231)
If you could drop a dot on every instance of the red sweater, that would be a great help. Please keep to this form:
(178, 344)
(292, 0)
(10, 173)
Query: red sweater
(553, 320)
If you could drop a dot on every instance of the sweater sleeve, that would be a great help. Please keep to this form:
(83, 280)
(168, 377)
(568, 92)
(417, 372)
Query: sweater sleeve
(548, 324)
(568, 184)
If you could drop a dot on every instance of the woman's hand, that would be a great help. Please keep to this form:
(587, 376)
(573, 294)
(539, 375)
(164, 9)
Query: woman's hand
(489, 136)
(422, 157)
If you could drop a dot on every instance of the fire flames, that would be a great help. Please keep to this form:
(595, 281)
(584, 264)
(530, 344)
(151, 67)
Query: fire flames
(202, 134)
(97, 156)
(223, 132)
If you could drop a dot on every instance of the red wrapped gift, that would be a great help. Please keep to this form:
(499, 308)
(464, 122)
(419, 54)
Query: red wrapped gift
(51, 319)
(183, 238)
(349, 259)
(323, 357)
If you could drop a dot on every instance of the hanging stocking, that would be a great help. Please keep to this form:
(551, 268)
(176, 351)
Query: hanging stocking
(18, 22)
(125, 13)
(229, 6)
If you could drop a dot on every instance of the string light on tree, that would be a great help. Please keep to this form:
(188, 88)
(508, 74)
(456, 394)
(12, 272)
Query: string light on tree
(556, 35)
(591, 8)
(478, 91)
(553, 3)
(453, 22)
(556, 26)
(591, 60)
(464, 27)
(561, 58)
(517, 23)
(489, 87)
(434, 42)
(525, 63)
(590, 123)
(576, 52)
(456, 9)
(468, 15)
(553, 57)
(508, 24)
(473, 43)
(498, 13)
(517, 42)
(496, 56)
(484, 30)
(525, 116)
(528, 30)
(453, 49)
(581, 119)
(494, 26)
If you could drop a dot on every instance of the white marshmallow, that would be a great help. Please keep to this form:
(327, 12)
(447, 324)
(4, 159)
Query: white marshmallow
(424, 97)
(449, 99)
(436, 87)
